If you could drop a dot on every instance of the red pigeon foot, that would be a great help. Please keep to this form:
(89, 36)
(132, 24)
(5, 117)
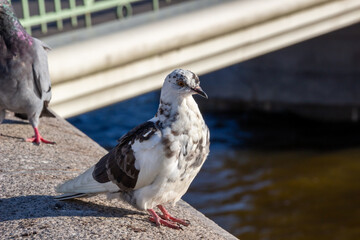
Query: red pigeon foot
(166, 215)
(37, 138)
(159, 221)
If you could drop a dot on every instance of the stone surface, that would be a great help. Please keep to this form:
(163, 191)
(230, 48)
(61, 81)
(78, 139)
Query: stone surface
(29, 173)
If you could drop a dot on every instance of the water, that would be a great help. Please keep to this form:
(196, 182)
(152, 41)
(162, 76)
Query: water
(267, 176)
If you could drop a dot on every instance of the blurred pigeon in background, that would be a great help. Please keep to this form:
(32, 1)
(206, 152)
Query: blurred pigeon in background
(25, 86)
(155, 162)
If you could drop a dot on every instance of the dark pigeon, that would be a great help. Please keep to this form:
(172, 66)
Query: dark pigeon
(25, 85)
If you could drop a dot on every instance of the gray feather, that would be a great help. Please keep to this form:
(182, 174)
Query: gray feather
(25, 85)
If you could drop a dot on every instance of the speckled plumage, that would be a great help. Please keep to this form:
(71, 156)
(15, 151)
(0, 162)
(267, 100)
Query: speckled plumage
(155, 162)
(25, 85)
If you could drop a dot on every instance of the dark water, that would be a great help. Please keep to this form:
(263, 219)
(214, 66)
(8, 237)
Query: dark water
(267, 176)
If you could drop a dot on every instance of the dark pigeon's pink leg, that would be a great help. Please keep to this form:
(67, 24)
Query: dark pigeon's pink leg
(37, 138)
(166, 215)
(159, 221)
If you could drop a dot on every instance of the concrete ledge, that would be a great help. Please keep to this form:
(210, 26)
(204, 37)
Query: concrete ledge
(29, 173)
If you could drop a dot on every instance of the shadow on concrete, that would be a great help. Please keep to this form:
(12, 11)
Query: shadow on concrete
(11, 121)
(8, 136)
(39, 206)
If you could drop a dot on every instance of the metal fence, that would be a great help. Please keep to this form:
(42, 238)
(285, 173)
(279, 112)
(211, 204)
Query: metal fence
(72, 10)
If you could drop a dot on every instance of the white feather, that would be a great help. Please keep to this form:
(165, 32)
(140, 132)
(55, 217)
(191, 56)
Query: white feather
(148, 155)
(85, 183)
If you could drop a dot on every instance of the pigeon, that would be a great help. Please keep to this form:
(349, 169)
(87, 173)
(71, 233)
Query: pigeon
(155, 162)
(25, 86)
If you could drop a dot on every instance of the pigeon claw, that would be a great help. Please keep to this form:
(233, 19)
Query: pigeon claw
(177, 220)
(155, 218)
(166, 216)
(37, 139)
(159, 221)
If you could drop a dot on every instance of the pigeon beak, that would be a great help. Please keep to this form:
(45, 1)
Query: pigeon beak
(199, 91)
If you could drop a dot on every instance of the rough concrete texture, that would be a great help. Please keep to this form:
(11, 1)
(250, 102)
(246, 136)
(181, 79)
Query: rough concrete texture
(29, 173)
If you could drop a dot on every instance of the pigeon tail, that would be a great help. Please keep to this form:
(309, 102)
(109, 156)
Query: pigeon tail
(86, 184)
(46, 112)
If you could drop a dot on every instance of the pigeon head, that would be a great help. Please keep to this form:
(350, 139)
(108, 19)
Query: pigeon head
(184, 83)
(11, 30)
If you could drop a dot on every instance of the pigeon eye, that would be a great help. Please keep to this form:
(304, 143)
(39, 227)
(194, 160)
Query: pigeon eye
(181, 83)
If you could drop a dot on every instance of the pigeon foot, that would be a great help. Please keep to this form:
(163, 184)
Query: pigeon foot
(159, 221)
(38, 138)
(166, 215)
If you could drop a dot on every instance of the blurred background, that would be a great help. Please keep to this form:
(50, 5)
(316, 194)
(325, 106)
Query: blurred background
(284, 98)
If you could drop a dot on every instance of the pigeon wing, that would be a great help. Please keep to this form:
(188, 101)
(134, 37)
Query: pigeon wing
(120, 165)
(40, 68)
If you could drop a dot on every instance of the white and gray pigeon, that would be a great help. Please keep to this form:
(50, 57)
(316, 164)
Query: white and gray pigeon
(155, 162)
(24, 76)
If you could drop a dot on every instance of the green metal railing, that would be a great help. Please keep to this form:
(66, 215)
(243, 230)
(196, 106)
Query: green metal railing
(74, 10)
